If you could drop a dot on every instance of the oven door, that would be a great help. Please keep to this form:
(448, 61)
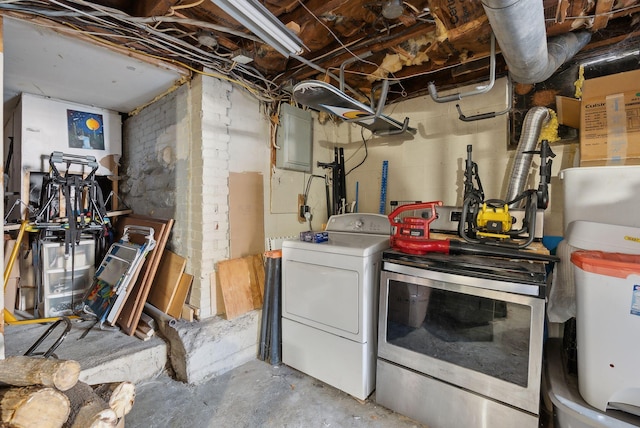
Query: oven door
(471, 336)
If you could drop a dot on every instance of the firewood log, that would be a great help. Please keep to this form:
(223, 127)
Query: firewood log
(120, 396)
(27, 371)
(33, 406)
(88, 410)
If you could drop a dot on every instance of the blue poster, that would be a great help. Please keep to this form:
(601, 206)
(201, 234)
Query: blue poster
(86, 130)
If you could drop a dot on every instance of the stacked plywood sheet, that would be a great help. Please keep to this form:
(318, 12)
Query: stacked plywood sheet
(171, 285)
(132, 309)
(242, 283)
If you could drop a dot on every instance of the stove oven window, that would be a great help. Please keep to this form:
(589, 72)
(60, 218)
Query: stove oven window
(485, 335)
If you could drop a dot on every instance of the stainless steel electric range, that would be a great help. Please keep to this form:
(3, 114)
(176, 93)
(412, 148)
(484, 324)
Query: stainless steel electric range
(460, 339)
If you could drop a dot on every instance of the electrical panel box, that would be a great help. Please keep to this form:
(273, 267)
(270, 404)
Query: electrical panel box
(294, 139)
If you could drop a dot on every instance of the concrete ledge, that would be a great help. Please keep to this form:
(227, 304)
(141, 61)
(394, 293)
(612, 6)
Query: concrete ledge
(104, 356)
(202, 350)
(134, 366)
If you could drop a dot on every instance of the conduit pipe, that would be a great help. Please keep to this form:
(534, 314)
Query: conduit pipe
(534, 120)
(520, 30)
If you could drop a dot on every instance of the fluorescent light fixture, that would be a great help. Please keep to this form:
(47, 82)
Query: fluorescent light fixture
(261, 22)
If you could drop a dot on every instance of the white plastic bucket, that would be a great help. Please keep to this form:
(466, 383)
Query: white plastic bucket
(608, 324)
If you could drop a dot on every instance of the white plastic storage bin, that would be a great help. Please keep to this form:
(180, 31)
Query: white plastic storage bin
(64, 279)
(81, 254)
(608, 325)
(611, 238)
(602, 194)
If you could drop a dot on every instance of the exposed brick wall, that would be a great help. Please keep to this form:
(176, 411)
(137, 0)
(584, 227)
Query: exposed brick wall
(176, 156)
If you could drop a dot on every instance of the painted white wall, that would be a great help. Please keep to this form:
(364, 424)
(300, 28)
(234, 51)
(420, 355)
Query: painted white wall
(44, 130)
(286, 185)
(40, 127)
(430, 167)
(249, 132)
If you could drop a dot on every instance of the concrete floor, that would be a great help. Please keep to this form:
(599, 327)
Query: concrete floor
(255, 394)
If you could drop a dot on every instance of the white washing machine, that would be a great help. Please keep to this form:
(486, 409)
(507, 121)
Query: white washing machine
(330, 302)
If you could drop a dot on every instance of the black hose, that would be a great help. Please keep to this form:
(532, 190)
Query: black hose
(275, 356)
(262, 351)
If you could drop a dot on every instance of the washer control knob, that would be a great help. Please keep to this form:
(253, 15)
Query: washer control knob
(359, 223)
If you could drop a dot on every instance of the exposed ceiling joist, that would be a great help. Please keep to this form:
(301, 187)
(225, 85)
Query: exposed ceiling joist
(424, 43)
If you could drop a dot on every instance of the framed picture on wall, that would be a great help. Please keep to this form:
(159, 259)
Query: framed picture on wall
(86, 130)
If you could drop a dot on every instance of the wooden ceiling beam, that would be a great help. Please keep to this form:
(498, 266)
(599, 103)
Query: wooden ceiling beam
(603, 10)
(154, 7)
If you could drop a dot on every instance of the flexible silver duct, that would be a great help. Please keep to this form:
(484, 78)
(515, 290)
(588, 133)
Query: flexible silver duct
(534, 120)
(519, 28)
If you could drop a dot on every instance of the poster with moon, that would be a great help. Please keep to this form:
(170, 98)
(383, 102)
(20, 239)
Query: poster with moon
(86, 130)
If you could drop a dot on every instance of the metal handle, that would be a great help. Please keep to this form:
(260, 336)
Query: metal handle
(480, 90)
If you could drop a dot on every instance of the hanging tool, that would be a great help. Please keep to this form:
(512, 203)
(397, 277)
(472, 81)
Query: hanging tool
(489, 221)
(338, 180)
(545, 173)
(473, 192)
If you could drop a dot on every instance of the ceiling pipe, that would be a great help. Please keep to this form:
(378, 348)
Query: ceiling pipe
(521, 33)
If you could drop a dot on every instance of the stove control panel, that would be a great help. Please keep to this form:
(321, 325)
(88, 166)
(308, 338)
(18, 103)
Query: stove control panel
(377, 224)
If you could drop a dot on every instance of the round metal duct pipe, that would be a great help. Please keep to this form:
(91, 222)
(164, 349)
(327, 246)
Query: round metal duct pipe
(534, 120)
(519, 28)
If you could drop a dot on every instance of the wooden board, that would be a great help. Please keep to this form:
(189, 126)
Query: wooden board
(234, 277)
(130, 315)
(246, 214)
(167, 279)
(176, 306)
(256, 264)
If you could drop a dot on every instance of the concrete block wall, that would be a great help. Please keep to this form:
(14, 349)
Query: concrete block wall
(208, 203)
(149, 161)
(176, 166)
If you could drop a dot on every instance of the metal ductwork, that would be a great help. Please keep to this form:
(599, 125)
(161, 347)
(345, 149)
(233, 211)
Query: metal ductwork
(534, 120)
(519, 28)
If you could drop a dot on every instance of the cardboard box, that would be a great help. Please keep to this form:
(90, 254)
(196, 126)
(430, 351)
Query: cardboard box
(610, 120)
(10, 293)
(9, 244)
(26, 299)
(568, 111)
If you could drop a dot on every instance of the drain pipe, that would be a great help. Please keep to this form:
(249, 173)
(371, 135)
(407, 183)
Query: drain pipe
(534, 120)
(521, 33)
